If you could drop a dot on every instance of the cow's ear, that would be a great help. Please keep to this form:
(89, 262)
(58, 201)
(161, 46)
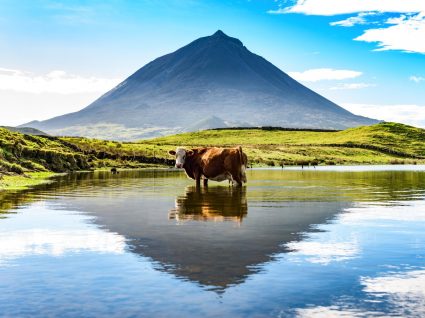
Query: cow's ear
(172, 152)
(190, 152)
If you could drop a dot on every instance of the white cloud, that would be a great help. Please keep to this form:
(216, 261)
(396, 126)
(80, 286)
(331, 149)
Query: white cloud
(57, 81)
(408, 114)
(405, 32)
(401, 283)
(25, 96)
(320, 74)
(397, 214)
(55, 243)
(325, 252)
(404, 293)
(404, 290)
(352, 86)
(352, 21)
(416, 79)
(54, 234)
(19, 107)
(330, 312)
(336, 7)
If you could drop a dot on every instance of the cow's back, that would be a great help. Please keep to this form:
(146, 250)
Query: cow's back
(219, 161)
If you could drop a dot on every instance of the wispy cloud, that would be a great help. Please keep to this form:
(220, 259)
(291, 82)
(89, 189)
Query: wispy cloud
(72, 13)
(325, 252)
(320, 74)
(65, 238)
(398, 33)
(56, 81)
(336, 7)
(416, 79)
(352, 21)
(352, 86)
(403, 34)
(403, 290)
(408, 114)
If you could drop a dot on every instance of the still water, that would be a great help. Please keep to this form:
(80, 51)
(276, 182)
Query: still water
(293, 243)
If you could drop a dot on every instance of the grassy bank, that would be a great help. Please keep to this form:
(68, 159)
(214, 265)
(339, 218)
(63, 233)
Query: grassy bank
(21, 153)
(384, 143)
(27, 160)
(16, 182)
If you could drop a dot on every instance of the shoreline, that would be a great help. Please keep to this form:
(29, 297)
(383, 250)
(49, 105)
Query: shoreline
(32, 179)
(24, 182)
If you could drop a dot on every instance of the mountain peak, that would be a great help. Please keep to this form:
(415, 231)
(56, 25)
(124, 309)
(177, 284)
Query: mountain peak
(220, 33)
(221, 36)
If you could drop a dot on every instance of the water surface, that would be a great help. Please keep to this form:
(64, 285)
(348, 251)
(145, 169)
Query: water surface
(293, 243)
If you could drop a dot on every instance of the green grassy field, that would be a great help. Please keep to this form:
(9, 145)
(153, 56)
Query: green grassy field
(21, 155)
(24, 181)
(384, 143)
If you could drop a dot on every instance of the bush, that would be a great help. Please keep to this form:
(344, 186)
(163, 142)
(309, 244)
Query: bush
(397, 162)
(11, 167)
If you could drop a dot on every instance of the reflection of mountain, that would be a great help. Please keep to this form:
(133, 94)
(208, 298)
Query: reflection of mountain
(216, 254)
(282, 206)
(211, 204)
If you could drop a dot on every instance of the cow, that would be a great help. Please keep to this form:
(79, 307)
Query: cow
(217, 164)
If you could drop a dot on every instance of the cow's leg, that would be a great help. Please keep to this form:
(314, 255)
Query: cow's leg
(197, 176)
(205, 182)
(237, 180)
(230, 178)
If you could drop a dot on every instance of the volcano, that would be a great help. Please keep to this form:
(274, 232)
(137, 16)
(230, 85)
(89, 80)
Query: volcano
(213, 81)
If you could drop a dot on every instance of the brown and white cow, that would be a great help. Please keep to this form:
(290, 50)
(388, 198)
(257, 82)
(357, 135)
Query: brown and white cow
(217, 164)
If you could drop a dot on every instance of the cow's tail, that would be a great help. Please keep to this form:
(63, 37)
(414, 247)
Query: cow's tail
(244, 162)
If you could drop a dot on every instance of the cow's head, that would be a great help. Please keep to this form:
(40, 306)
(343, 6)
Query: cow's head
(181, 155)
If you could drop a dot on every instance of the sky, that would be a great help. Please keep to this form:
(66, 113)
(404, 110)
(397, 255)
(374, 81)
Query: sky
(368, 56)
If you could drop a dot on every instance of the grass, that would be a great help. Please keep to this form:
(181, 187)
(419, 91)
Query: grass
(388, 136)
(27, 160)
(22, 182)
(384, 143)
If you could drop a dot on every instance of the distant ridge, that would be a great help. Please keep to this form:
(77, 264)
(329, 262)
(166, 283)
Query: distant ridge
(211, 82)
(270, 128)
(25, 130)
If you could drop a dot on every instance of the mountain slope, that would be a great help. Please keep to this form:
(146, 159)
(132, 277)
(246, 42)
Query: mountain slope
(25, 130)
(214, 76)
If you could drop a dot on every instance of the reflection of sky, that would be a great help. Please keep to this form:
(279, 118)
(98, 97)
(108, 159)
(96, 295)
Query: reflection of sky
(367, 262)
(340, 241)
(404, 292)
(326, 252)
(358, 168)
(385, 247)
(53, 234)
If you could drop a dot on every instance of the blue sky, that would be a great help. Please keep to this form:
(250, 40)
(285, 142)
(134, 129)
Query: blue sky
(365, 55)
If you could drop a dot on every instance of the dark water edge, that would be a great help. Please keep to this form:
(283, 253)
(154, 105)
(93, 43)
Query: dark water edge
(294, 242)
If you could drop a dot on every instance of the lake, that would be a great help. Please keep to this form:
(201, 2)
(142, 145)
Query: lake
(342, 241)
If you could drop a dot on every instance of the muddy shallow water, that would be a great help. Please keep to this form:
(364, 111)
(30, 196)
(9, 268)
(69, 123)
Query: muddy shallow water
(304, 243)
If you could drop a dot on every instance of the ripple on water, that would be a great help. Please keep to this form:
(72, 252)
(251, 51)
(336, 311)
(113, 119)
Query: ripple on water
(147, 243)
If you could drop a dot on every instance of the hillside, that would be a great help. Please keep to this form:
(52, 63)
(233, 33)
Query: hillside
(383, 143)
(20, 153)
(26, 130)
(213, 82)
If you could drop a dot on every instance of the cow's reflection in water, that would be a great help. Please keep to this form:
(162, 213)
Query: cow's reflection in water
(215, 204)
